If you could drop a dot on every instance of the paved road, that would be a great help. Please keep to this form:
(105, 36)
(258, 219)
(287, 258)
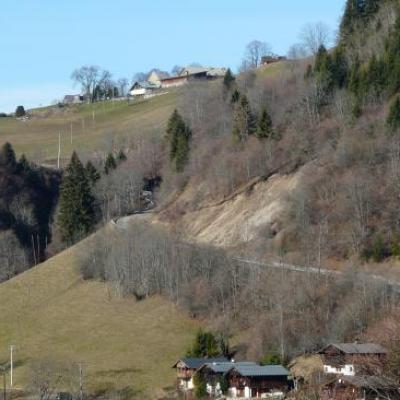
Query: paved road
(395, 285)
(123, 223)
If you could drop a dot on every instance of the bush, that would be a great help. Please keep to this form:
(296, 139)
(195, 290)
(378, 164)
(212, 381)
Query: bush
(271, 359)
(20, 111)
(377, 250)
(200, 388)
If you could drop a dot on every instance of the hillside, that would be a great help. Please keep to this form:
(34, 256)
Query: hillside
(50, 313)
(114, 122)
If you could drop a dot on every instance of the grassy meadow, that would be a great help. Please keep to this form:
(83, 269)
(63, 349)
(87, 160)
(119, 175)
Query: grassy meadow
(85, 127)
(49, 313)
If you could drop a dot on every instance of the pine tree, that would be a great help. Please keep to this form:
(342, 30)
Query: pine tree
(339, 67)
(121, 156)
(264, 128)
(174, 121)
(91, 172)
(20, 111)
(110, 164)
(77, 210)
(205, 345)
(244, 123)
(235, 96)
(178, 135)
(229, 80)
(357, 10)
(393, 119)
(7, 156)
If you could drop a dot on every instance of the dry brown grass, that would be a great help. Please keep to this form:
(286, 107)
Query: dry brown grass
(49, 312)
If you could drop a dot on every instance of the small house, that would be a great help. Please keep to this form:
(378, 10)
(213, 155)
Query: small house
(73, 99)
(174, 81)
(360, 388)
(253, 381)
(268, 60)
(155, 77)
(213, 374)
(186, 368)
(350, 359)
(142, 88)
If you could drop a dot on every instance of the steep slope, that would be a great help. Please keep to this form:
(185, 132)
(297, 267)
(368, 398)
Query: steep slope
(50, 313)
(241, 218)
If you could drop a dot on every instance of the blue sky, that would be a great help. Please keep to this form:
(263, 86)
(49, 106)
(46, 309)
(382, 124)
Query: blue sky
(43, 41)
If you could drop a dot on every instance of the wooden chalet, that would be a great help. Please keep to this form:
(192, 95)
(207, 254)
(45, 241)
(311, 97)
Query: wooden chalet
(360, 388)
(142, 88)
(213, 373)
(253, 381)
(350, 359)
(268, 60)
(187, 367)
(189, 74)
(174, 81)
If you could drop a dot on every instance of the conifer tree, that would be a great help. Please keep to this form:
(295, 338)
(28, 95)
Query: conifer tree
(121, 156)
(77, 210)
(205, 345)
(7, 156)
(178, 136)
(393, 119)
(264, 128)
(110, 164)
(235, 96)
(20, 111)
(182, 149)
(339, 67)
(229, 80)
(174, 121)
(244, 123)
(91, 172)
(23, 163)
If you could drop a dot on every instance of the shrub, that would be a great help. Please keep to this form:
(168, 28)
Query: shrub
(271, 359)
(200, 388)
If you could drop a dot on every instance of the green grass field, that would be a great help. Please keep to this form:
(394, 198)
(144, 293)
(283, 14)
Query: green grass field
(93, 126)
(50, 313)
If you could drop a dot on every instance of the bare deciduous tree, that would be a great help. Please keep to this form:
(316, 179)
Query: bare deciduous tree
(90, 76)
(315, 35)
(122, 86)
(255, 50)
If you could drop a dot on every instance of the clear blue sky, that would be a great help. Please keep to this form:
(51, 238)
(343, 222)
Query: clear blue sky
(42, 41)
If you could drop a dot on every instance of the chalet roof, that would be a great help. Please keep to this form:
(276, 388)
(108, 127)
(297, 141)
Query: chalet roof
(223, 367)
(193, 70)
(172, 78)
(194, 363)
(160, 74)
(365, 382)
(357, 348)
(144, 85)
(258, 370)
(215, 72)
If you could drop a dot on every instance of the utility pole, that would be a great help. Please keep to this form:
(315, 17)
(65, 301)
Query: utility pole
(4, 383)
(11, 365)
(71, 132)
(59, 150)
(80, 381)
